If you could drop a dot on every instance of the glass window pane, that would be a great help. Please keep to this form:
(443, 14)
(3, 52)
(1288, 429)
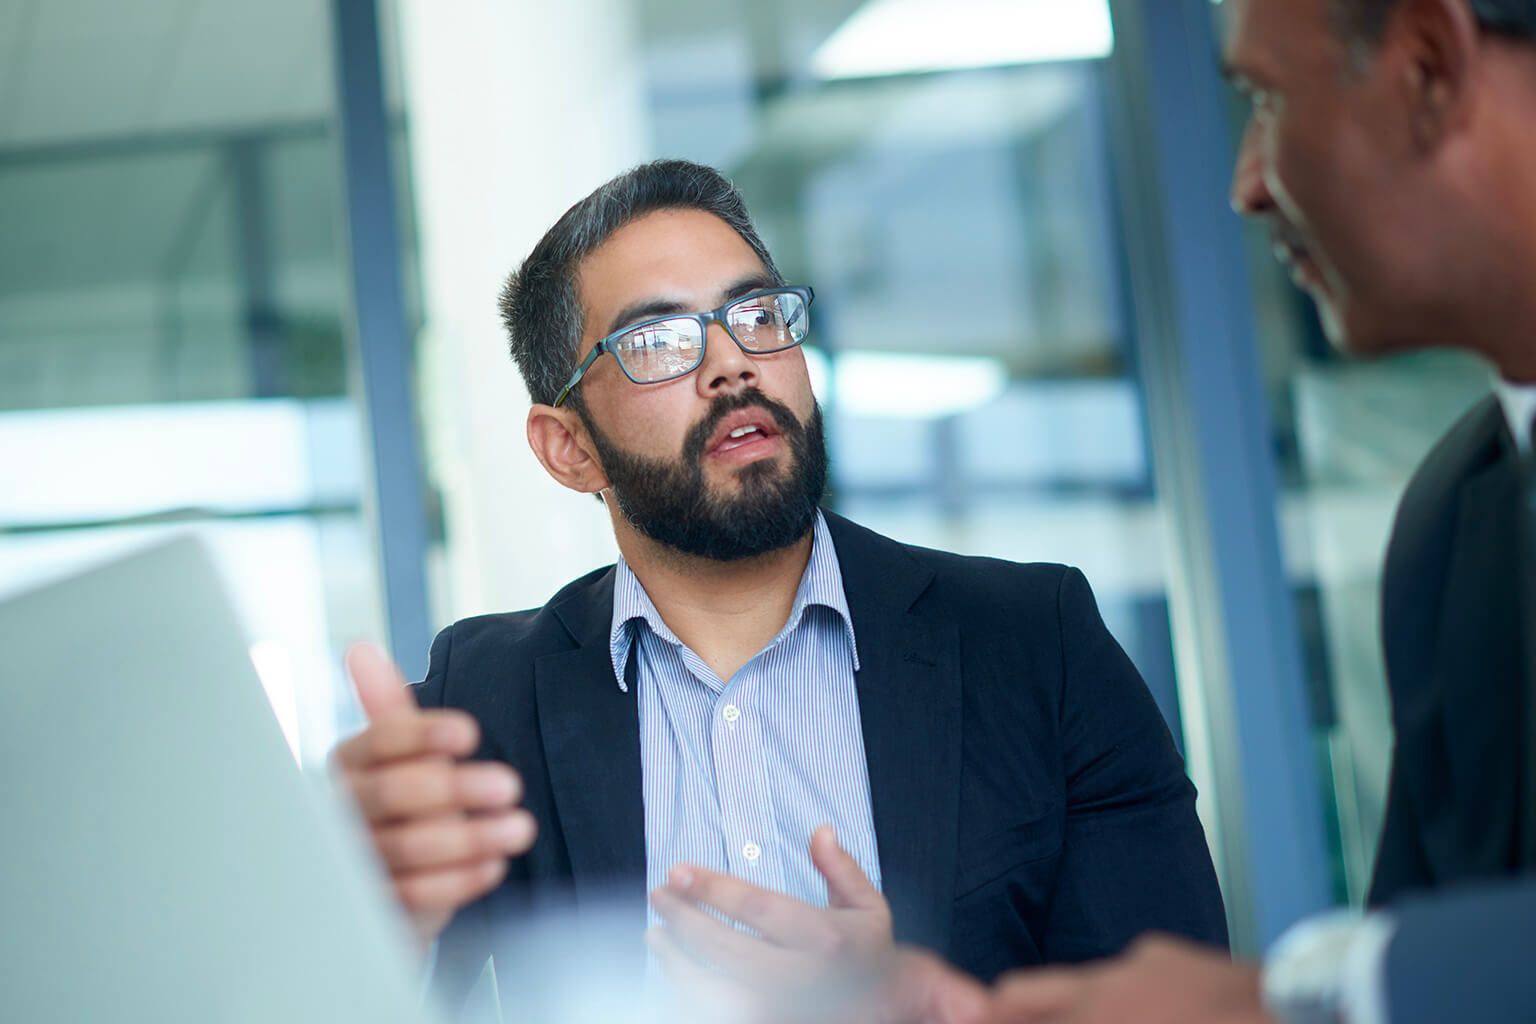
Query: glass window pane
(171, 309)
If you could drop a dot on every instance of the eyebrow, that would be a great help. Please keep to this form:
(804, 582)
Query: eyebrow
(647, 309)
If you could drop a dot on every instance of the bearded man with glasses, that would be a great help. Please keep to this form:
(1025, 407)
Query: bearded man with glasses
(764, 713)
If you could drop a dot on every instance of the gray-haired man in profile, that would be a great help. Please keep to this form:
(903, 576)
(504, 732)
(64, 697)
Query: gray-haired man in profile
(1392, 151)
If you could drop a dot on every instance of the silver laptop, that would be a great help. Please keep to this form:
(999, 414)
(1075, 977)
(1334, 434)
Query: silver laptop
(162, 858)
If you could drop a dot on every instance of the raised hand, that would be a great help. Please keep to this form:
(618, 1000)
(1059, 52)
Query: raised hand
(803, 962)
(443, 827)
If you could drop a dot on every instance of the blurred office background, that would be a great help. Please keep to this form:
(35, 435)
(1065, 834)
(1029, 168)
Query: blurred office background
(249, 256)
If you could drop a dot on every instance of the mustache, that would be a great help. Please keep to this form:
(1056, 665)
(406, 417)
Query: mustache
(693, 445)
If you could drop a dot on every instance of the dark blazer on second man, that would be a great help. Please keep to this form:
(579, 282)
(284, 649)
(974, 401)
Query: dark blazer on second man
(1028, 801)
(1453, 867)
(1451, 627)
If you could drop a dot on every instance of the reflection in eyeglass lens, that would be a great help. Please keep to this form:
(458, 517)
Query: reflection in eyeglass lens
(768, 322)
(660, 350)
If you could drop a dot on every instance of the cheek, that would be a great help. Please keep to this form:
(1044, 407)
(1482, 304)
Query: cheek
(788, 379)
(648, 420)
(1289, 166)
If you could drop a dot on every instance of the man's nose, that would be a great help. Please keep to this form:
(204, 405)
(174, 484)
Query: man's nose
(726, 367)
(1250, 194)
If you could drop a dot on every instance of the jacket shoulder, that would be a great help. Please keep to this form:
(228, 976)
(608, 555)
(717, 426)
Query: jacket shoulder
(1419, 551)
(988, 581)
(1421, 529)
(482, 647)
(1470, 443)
(973, 589)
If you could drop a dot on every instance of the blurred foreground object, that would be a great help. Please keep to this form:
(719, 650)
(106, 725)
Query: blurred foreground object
(165, 860)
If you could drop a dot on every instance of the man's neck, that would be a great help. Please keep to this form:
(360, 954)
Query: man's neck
(724, 611)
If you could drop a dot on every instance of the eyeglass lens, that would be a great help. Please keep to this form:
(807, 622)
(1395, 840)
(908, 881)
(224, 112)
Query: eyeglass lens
(670, 348)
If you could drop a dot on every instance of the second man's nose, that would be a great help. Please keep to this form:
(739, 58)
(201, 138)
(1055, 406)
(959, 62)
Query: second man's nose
(1250, 193)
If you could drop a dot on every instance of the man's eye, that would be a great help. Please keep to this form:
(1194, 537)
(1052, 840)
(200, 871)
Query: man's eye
(759, 315)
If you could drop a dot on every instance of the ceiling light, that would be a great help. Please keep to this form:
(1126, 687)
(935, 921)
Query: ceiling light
(901, 386)
(898, 37)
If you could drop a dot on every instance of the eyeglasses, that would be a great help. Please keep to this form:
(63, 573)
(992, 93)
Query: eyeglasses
(669, 347)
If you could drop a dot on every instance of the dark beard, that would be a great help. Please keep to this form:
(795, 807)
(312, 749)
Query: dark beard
(670, 502)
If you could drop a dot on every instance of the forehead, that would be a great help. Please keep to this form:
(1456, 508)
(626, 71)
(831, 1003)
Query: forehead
(1272, 37)
(684, 255)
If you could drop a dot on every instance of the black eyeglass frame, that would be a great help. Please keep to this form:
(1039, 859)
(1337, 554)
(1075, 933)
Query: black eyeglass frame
(805, 292)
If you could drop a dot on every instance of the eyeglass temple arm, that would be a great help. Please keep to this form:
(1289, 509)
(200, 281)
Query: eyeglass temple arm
(586, 364)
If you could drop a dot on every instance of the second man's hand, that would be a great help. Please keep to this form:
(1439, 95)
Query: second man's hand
(801, 962)
(443, 827)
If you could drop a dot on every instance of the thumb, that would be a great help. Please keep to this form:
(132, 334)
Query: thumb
(380, 687)
(847, 885)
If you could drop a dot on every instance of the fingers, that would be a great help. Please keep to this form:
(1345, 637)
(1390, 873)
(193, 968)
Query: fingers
(447, 889)
(455, 840)
(707, 996)
(442, 733)
(423, 788)
(924, 988)
(380, 687)
(716, 943)
(847, 885)
(778, 918)
(1038, 995)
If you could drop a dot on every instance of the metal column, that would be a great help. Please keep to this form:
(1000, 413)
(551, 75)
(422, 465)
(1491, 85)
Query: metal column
(1241, 677)
(382, 344)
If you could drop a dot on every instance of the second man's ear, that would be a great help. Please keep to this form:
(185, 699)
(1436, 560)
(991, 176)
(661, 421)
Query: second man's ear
(564, 448)
(1442, 38)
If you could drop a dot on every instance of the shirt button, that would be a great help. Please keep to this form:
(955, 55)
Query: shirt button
(731, 712)
(751, 851)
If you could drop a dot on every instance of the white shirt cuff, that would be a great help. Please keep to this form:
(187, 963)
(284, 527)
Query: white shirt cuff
(1363, 988)
(1330, 967)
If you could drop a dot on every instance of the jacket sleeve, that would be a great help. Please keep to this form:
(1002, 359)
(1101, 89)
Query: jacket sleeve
(1464, 956)
(431, 691)
(1134, 857)
(464, 946)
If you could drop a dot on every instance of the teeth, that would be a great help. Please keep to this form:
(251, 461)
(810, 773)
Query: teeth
(743, 431)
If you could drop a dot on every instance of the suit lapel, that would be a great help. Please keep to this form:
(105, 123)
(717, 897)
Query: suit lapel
(1479, 668)
(909, 705)
(591, 734)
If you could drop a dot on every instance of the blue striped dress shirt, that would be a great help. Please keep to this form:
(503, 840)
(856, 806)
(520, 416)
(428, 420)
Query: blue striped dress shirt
(738, 773)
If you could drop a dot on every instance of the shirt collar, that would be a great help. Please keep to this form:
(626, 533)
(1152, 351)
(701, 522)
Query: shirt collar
(821, 585)
(1519, 403)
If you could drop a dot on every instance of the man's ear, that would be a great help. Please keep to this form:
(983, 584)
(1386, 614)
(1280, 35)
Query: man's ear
(1440, 41)
(562, 444)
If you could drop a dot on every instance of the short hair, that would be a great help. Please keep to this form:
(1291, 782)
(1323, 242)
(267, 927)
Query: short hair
(539, 305)
(1363, 21)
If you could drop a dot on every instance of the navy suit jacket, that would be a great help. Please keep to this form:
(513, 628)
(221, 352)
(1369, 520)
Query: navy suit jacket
(1451, 628)
(1029, 804)
(1456, 866)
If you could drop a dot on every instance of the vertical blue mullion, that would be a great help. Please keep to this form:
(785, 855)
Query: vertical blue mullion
(382, 342)
(1213, 458)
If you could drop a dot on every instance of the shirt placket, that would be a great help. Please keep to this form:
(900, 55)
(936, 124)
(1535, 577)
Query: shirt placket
(745, 809)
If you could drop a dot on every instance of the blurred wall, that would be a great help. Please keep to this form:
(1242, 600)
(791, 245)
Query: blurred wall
(516, 112)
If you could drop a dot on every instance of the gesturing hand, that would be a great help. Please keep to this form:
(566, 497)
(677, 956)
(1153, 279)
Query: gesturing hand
(1158, 981)
(444, 828)
(803, 962)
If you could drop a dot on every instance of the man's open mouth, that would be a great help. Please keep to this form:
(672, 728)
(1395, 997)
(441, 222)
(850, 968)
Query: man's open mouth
(749, 426)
